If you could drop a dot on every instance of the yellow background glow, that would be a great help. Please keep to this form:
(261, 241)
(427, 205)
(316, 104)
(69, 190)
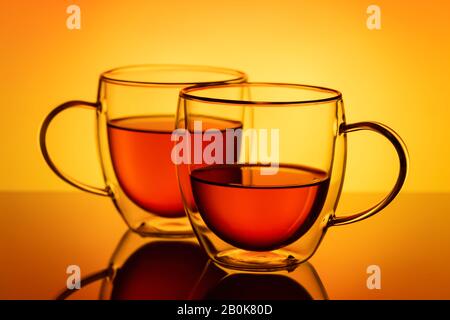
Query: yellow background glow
(399, 75)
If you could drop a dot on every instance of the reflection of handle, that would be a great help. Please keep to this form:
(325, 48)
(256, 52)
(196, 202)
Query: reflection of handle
(102, 274)
(42, 140)
(402, 156)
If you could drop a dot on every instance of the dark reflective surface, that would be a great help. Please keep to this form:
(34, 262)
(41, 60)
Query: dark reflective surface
(42, 233)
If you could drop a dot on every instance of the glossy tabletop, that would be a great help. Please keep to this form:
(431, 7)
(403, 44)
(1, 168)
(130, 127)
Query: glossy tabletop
(43, 233)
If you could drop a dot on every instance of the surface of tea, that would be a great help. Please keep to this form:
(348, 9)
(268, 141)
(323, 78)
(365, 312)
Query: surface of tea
(259, 212)
(141, 154)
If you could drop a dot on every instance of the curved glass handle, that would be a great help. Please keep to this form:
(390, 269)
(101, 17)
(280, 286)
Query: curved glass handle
(42, 141)
(402, 153)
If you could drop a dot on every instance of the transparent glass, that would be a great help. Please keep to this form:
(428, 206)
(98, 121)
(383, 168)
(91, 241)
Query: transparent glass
(135, 110)
(269, 171)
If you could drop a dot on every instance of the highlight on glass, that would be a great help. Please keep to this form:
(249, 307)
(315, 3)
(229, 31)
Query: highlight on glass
(135, 109)
(262, 176)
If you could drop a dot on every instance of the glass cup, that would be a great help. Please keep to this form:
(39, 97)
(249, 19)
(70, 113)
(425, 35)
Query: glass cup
(135, 110)
(261, 168)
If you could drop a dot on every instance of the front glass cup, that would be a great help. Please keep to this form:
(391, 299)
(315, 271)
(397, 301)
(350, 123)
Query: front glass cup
(261, 168)
(135, 110)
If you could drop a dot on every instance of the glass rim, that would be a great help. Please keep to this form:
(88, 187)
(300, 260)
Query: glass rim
(113, 75)
(187, 93)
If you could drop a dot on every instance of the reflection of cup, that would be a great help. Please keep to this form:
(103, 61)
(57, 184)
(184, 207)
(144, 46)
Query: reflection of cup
(259, 287)
(135, 110)
(259, 214)
(301, 283)
(153, 268)
(156, 268)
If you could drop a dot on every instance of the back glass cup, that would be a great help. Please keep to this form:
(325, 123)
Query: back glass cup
(261, 168)
(135, 110)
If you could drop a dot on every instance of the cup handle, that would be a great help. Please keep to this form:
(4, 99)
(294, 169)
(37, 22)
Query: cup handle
(402, 153)
(43, 144)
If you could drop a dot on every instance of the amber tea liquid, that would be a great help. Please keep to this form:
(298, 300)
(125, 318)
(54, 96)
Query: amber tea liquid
(259, 212)
(141, 156)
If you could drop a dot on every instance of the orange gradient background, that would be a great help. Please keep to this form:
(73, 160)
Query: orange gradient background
(399, 75)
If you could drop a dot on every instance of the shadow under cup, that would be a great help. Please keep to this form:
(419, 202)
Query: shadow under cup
(136, 108)
(270, 203)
